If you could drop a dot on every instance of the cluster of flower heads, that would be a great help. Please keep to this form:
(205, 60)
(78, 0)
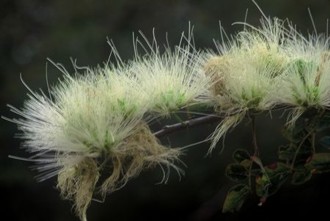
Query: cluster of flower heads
(268, 67)
(97, 122)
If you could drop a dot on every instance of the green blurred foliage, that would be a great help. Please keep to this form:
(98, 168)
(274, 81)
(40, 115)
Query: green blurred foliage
(33, 30)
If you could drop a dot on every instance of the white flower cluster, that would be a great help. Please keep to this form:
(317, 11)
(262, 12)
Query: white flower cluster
(268, 67)
(102, 115)
(99, 120)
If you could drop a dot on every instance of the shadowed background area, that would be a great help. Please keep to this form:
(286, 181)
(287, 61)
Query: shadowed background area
(34, 30)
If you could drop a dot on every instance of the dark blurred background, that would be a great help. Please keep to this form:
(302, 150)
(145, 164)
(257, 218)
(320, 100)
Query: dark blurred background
(33, 30)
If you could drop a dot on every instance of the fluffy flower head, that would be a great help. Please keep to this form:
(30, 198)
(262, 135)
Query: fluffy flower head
(173, 79)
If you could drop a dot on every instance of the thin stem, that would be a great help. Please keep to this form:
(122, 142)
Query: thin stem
(298, 149)
(168, 129)
(313, 142)
(254, 137)
(185, 124)
(250, 177)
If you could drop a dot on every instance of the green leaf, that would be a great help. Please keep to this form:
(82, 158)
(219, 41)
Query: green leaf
(320, 163)
(247, 165)
(286, 153)
(236, 172)
(241, 155)
(262, 185)
(271, 179)
(304, 154)
(291, 152)
(301, 176)
(236, 198)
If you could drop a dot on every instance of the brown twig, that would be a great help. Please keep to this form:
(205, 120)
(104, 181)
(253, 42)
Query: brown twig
(188, 123)
(168, 129)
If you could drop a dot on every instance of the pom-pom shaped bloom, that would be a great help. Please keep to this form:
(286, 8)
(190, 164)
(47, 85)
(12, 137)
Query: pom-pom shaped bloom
(171, 80)
(246, 71)
(246, 74)
(306, 80)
